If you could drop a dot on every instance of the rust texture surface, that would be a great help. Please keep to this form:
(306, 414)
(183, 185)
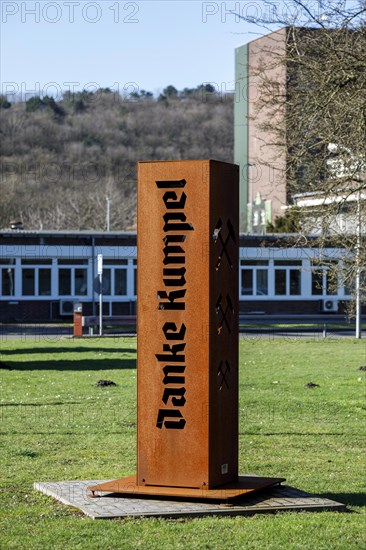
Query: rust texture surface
(226, 492)
(187, 324)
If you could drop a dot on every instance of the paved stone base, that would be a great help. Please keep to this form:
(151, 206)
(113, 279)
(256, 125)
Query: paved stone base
(280, 498)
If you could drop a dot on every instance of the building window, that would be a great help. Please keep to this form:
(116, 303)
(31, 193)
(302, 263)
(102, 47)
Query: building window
(280, 282)
(72, 281)
(317, 282)
(7, 281)
(295, 282)
(247, 282)
(115, 277)
(81, 282)
(106, 278)
(262, 282)
(324, 281)
(36, 281)
(36, 261)
(64, 282)
(348, 290)
(44, 282)
(288, 277)
(135, 277)
(254, 277)
(28, 282)
(72, 261)
(120, 282)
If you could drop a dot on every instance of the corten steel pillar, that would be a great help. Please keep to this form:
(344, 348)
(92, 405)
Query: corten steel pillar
(187, 324)
(188, 253)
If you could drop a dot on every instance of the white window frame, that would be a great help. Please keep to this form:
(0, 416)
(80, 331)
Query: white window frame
(73, 268)
(250, 266)
(5, 267)
(36, 269)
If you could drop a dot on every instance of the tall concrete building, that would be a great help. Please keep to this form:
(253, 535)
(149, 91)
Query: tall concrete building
(262, 162)
(289, 144)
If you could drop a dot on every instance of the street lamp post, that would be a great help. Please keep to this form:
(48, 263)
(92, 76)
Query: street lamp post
(358, 269)
(108, 213)
(100, 274)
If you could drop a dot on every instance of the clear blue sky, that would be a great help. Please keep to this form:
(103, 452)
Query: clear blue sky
(49, 46)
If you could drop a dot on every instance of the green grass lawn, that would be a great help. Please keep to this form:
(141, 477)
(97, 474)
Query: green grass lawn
(57, 425)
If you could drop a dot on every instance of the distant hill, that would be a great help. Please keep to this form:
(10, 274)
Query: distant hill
(59, 160)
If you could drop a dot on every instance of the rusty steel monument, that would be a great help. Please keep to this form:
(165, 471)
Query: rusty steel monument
(187, 413)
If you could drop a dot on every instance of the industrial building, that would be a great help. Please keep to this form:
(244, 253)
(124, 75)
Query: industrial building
(44, 272)
(268, 84)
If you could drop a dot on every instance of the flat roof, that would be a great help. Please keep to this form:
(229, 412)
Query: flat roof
(129, 238)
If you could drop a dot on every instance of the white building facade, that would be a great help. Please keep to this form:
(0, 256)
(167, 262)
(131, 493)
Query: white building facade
(44, 273)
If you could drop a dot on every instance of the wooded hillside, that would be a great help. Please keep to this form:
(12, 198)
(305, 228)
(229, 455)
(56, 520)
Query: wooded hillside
(60, 160)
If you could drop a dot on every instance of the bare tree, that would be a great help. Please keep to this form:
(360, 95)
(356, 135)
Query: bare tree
(315, 119)
(55, 172)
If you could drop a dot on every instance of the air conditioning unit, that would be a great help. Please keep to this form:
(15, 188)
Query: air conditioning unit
(330, 306)
(66, 307)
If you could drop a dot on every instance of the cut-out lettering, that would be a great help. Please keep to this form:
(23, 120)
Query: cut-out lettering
(172, 202)
(178, 276)
(176, 221)
(173, 356)
(171, 333)
(171, 374)
(176, 395)
(173, 254)
(170, 424)
(171, 296)
(171, 184)
(174, 277)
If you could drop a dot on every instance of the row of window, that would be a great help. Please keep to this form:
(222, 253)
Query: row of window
(71, 281)
(287, 279)
(72, 278)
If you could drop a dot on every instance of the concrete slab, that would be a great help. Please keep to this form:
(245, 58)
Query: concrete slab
(276, 499)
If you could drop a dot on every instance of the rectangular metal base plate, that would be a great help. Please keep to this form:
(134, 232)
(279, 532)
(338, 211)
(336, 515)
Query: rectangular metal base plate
(278, 498)
(224, 493)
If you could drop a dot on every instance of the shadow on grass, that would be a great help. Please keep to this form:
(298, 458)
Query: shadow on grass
(50, 350)
(129, 430)
(49, 404)
(67, 365)
(350, 499)
(297, 434)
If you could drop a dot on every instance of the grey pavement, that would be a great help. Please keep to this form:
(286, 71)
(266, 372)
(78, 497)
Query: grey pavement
(279, 498)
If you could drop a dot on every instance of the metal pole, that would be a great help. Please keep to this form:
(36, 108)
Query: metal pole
(250, 194)
(358, 269)
(108, 213)
(100, 304)
(93, 271)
